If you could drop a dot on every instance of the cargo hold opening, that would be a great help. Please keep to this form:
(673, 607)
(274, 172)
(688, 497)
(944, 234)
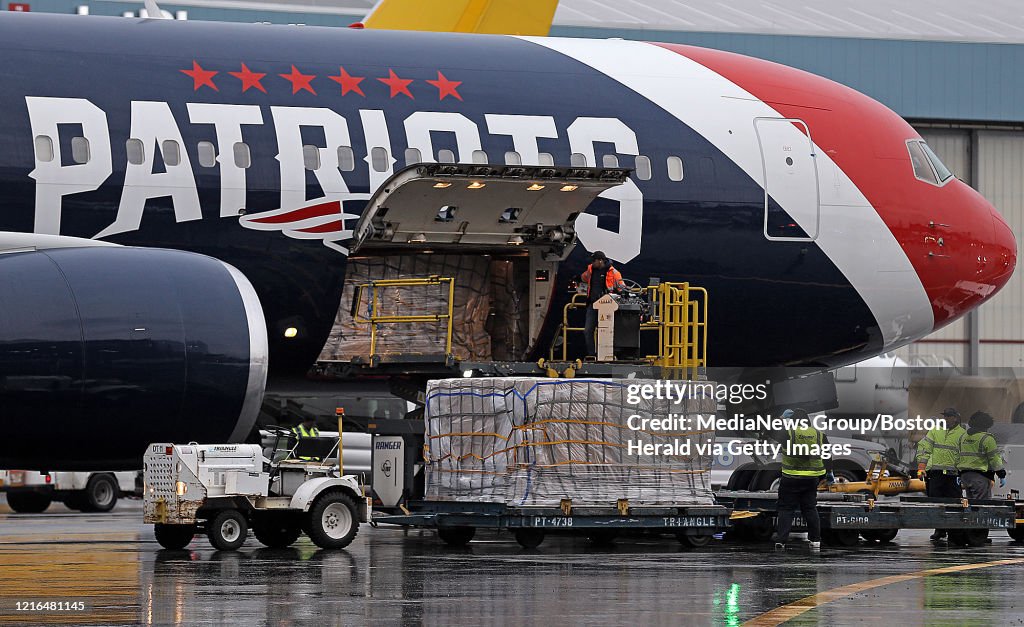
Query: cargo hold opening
(481, 241)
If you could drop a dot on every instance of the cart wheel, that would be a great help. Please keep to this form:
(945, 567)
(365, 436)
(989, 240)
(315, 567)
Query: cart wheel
(227, 530)
(695, 541)
(174, 537)
(276, 532)
(456, 536)
(529, 538)
(845, 537)
(333, 521)
(760, 528)
(100, 494)
(1017, 533)
(27, 502)
(969, 537)
(602, 537)
(883, 536)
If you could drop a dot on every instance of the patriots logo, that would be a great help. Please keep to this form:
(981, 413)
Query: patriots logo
(323, 219)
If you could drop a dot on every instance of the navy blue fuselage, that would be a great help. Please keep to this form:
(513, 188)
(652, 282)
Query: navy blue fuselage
(707, 228)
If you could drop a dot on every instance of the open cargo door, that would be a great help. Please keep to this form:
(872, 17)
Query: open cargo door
(482, 207)
(455, 262)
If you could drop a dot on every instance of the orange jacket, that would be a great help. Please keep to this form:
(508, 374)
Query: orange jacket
(612, 279)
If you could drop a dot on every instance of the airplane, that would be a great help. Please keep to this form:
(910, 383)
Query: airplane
(179, 200)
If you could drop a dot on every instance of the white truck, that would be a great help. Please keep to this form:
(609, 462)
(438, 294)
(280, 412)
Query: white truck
(31, 492)
(223, 490)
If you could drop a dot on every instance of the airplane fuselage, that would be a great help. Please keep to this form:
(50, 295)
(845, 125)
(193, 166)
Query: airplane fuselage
(836, 262)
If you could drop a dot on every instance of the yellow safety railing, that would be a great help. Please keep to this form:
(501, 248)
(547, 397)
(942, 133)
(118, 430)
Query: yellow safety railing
(680, 313)
(374, 319)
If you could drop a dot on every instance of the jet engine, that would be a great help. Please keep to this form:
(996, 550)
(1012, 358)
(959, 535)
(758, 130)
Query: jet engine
(106, 349)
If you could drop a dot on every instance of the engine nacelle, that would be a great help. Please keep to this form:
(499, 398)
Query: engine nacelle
(104, 350)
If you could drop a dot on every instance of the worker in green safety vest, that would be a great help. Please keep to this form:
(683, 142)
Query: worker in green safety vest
(937, 456)
(306, 429)
(979, 462)
(803, 468)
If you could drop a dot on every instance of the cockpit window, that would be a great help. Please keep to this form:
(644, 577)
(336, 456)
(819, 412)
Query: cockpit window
(940, 168)
(922, 168)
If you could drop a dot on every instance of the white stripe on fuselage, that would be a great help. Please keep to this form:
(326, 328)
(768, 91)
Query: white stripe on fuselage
(851, 233)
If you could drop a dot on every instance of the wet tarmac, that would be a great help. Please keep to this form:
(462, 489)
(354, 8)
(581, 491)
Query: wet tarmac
(113, 566)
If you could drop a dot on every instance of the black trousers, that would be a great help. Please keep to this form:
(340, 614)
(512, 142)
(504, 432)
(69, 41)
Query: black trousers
(940, 484)
(799, 493)
(943, 485)
(588, 330)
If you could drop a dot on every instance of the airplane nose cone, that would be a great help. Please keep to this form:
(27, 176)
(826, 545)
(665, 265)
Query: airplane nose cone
(1001, 256)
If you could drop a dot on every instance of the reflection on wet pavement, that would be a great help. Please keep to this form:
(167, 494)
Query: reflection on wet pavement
(111, 562)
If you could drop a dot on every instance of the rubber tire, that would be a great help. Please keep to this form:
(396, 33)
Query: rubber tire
(275, 532)
(315, 521)
(602, 537)
(968, 537)
(1017, 533)
(75, 501)
(882, 536)
(215, 528)
(28, 502)
(845, 537)
(100, 494)
(695, 542)
(174, 537)
(528, 537)
(456, 536)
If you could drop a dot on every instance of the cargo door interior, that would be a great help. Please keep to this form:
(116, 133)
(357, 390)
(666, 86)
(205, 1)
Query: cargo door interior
(492, 236)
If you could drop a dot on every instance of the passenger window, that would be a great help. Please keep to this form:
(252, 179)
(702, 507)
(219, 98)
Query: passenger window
(311, 157)
(136, 151)
(412, 155)
(445, 156)
(479, 157)
(546, 159)
(207, 154)
(44, 149)
(675, 169)
(379, 159)
(578, 160)
(940, 168)
(346, 159)
(922, 169)
(513, 158)
(243, 159)
(80, 150)
(643, 168)
(171, 152)
(610, 161)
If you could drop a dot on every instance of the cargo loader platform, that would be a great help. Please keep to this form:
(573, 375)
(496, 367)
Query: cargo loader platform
(456, 522)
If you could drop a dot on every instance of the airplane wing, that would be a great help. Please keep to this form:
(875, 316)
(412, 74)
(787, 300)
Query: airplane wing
(498, 17)
(19, 242)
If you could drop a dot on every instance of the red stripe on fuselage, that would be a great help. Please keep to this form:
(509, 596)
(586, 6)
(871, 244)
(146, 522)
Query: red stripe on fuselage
(868, 142)
(314, 211)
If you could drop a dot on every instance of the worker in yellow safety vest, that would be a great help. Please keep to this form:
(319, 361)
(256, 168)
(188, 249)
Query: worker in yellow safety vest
(803, 467)
(979, 461)
(937, 456)
(306, 429)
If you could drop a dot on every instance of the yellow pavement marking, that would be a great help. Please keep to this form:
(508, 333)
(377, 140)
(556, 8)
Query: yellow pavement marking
(787, 612)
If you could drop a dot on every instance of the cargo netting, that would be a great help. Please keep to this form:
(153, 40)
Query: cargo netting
(470, 308)
(533, 442)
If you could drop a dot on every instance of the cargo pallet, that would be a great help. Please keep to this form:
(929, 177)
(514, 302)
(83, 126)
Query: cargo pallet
(456, 522)
(744, 515)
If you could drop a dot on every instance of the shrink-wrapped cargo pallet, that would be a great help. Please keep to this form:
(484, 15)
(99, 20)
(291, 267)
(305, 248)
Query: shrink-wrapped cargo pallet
(533, 442)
